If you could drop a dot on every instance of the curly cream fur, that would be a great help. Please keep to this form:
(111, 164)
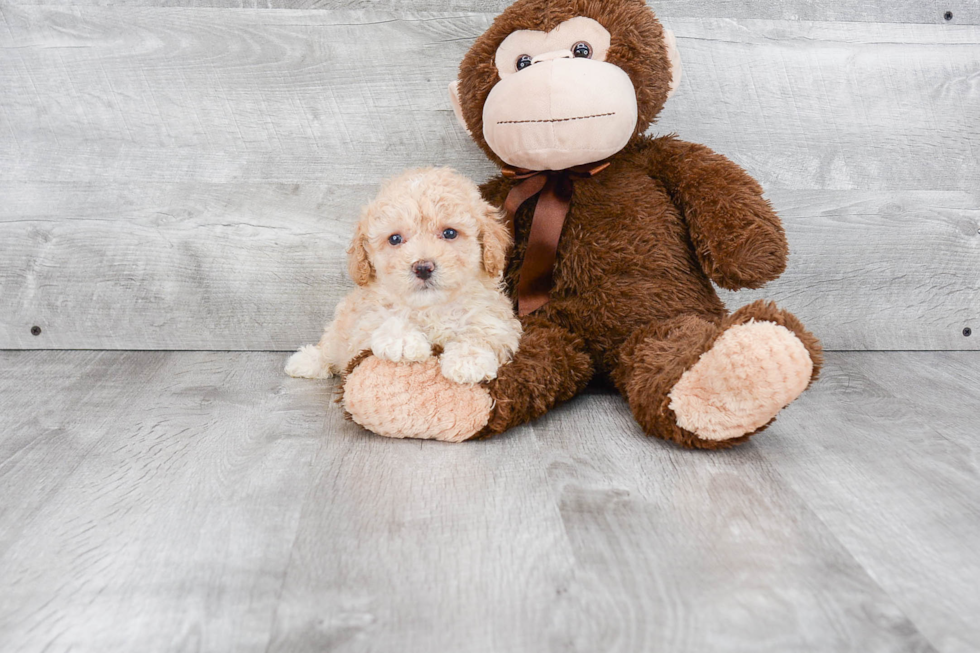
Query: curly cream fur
(400, 317)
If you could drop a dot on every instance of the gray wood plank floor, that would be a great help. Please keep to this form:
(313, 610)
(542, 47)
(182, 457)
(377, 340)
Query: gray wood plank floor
(202, 501)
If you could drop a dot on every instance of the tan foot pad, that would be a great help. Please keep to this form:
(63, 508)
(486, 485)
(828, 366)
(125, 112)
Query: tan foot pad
(751, 373)
(414, 400)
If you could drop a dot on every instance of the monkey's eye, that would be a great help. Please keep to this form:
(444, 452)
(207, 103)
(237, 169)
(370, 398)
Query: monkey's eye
(395, 239)
(582, 50)
(523, 61)
(449, 234)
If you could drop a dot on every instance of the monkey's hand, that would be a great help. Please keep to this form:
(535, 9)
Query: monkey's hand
(737, 236)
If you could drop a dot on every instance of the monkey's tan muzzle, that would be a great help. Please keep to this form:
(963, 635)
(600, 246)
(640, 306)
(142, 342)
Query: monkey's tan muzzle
(560, 113)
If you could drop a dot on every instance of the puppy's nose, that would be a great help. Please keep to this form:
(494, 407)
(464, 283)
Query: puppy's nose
(423, 269)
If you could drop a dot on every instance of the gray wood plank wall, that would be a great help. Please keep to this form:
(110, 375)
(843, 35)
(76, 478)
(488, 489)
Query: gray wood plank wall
(880, 11)
(186, 177)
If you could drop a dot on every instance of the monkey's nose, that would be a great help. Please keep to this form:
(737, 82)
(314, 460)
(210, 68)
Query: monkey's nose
(423, 269)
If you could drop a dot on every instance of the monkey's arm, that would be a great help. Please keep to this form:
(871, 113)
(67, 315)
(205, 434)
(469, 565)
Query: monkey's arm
(738, 238)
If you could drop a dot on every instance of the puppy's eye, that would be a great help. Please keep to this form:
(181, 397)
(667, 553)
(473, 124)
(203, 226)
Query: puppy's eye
(582, 50)
(523, 61)
(449, 234)
(395, 239)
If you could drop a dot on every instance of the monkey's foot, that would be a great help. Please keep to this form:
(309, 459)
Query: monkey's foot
(414, 400)
(752, 371)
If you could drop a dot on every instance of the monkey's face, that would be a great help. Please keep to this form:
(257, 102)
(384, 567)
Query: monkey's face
(548, 88)
(558, 103)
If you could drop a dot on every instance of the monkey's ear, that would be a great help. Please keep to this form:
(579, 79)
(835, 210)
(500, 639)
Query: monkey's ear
(676, 69)
(358, 261)
(496, 240)
(457, 108)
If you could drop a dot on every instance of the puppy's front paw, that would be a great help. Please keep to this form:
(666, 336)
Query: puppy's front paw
(308, 363)
(411, 347)
(468, 364)
(415, 348)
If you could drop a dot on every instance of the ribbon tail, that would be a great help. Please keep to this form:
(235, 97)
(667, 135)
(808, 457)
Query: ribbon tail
(537, 268)
(534, 286)
(521, 193)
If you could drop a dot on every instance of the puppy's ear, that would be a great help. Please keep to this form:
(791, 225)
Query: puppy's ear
(496, 240)
(358, 261)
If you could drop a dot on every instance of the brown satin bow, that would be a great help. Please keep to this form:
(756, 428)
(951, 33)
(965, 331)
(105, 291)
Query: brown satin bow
(555, 187)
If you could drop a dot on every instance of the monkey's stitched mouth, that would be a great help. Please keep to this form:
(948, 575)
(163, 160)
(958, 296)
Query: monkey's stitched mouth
(521, 122)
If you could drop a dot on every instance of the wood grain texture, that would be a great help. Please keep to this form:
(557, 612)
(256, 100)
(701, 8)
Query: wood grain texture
(203, 501)
(875, 11)
(684, 552)
(149, 500)
(139, 95)
(899, 485)
(260, 266)
(136, 94)
(880, 270)
(165, 266)
(185, 177)
(422, 548)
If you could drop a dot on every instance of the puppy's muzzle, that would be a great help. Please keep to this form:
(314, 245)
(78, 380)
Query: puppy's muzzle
(423, 269)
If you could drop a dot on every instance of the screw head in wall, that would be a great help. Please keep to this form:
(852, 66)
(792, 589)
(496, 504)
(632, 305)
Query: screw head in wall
(35, 330)
(948, 15)
(967, 332)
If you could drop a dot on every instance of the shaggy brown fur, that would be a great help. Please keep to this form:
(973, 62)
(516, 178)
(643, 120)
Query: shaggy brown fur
(643, 241)
(653, 360)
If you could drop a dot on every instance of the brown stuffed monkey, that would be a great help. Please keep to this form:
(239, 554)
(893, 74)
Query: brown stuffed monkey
(618, 238)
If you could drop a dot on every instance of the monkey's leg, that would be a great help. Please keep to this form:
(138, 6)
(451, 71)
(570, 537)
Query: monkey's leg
(711, 385)
(416, 401)
(550, 367)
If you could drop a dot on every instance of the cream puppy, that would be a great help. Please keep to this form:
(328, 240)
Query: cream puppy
(427, 257)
